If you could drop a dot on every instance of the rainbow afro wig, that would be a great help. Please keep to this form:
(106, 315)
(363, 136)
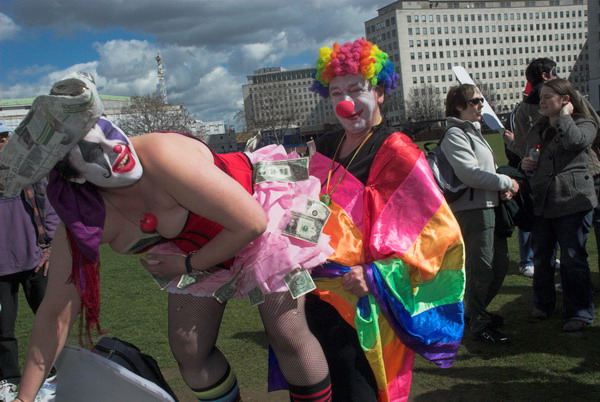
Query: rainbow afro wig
(360, 57)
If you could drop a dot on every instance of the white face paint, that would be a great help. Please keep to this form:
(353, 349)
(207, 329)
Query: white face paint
(366, 100)
(105, 157)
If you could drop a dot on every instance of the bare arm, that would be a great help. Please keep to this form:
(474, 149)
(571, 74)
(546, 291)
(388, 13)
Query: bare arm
(53, 320)
(183, 168)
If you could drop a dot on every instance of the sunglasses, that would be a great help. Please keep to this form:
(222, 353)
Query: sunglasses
(476, 101)
(4, 135)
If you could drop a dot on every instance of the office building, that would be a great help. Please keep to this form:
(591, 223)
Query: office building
(275, 98)
(493, 40)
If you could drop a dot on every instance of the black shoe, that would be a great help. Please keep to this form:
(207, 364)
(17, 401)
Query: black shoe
(492, 335)
(497, 320)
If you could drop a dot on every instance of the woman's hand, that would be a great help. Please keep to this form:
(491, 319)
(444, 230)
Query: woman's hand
(515, 187)
(164, 264)
(354, 281)
(567, 109)
(507, 195)
(528, 164)
(508, 137)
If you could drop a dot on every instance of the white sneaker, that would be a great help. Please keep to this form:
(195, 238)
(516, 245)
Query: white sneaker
(526, 270)
(47, 392)
(8, 391)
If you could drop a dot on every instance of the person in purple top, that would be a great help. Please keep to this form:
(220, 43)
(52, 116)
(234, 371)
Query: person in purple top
(27, 224)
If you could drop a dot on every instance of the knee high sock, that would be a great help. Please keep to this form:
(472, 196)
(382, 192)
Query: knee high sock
(224, 390)
(320, 392)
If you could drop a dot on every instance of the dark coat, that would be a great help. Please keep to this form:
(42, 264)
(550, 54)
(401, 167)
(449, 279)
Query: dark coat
(562, 183)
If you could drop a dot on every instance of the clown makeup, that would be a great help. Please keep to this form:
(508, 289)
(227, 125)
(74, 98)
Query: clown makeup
(105, 157)
(356, 103)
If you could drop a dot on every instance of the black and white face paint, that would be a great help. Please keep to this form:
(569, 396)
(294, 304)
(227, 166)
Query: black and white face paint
(105, 157)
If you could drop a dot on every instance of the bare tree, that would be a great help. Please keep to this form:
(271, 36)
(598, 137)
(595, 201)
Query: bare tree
(491, 96)
(271, 108)
(424, 107)
(150, 113)
(239, 120)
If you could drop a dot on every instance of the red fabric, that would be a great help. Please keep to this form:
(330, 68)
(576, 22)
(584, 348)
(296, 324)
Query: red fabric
(198, 230)
(392, 164)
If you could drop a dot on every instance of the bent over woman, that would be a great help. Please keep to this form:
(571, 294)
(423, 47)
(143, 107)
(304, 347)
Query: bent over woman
(199, 206)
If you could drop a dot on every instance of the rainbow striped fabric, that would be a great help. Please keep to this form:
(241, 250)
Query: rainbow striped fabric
(401, 228)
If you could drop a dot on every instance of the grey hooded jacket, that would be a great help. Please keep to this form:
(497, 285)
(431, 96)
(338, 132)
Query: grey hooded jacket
(474, 166)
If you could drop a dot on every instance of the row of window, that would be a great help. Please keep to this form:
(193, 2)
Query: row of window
(493, 40)
(496, 17)
(497, 63)
(493, 28)
(286, 76)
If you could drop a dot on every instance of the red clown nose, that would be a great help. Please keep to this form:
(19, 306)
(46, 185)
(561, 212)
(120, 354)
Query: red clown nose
(345, 109)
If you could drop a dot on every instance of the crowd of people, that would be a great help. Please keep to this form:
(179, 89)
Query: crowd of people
(333, 254)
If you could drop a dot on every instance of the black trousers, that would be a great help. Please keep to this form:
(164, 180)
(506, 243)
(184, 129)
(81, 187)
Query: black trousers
(351, 376)
(34, 286)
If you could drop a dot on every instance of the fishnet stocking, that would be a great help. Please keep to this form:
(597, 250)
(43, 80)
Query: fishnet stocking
(193, 329)
(298, 352)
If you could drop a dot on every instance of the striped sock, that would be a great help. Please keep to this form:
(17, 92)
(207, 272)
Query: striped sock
(320, 392)
(224, 390)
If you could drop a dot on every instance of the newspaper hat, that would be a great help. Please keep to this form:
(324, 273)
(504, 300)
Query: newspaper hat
(53, 126)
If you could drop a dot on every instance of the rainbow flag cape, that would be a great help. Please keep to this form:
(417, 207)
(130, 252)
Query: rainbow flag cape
(401, 228)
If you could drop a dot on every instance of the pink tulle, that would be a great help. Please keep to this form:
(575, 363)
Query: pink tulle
(269, 258)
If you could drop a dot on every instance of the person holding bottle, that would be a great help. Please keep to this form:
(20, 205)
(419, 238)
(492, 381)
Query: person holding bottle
(564, 199)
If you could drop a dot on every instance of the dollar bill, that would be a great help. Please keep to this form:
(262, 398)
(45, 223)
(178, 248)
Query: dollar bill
(162, 281)
(256, 296)
(317, 209)
(187, 280)
(289, 170)
(226, 291)
(299, 282)
(304, 227)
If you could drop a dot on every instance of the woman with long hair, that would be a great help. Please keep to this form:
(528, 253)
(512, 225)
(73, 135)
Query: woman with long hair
(564, 198)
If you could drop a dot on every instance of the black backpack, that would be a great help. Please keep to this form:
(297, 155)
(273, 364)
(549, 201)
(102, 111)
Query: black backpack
(130, 357)
(443, 173)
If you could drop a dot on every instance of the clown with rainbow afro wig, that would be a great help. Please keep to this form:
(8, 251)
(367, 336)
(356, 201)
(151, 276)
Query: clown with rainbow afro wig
(361, 57)
(393, 234)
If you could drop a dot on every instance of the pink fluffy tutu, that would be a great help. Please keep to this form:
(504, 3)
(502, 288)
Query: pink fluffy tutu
(269, 258)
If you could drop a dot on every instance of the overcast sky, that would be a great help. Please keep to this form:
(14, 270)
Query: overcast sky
(208, 46)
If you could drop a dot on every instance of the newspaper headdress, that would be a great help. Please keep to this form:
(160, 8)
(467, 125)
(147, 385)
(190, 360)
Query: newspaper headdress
(55, 123)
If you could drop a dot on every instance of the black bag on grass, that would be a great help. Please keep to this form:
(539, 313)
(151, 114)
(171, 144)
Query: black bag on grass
(130, 357)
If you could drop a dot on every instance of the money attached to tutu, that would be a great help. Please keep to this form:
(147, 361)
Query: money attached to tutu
(282, 258)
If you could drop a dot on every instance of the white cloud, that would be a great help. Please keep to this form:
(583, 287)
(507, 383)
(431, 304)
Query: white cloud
(8, 28)
(43, 85)
(207, 47)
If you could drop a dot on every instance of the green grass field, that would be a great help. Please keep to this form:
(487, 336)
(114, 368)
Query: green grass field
(541, 364)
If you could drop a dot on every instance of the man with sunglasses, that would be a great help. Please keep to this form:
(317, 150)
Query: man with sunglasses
(27, 225)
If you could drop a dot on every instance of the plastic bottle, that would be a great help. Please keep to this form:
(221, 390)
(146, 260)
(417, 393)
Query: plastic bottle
(534, 153)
